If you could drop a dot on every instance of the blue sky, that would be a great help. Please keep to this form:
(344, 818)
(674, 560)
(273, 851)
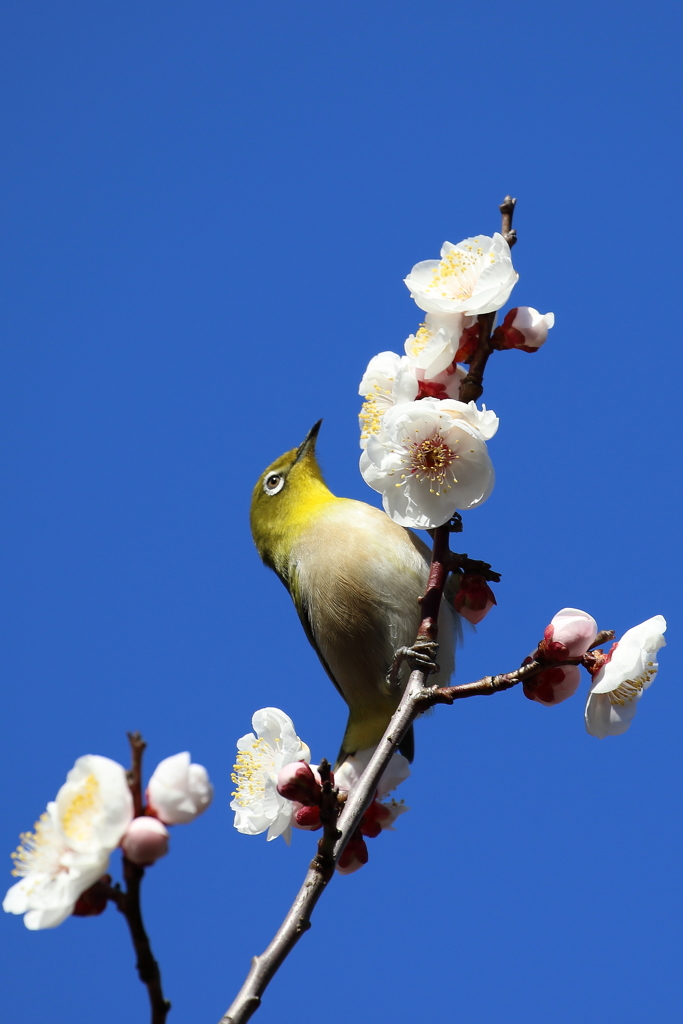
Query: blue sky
(206, 213)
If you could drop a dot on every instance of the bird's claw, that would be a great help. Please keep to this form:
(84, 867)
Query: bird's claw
(420, 656)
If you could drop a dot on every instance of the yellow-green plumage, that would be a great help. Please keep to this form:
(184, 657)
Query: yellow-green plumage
(355, 578)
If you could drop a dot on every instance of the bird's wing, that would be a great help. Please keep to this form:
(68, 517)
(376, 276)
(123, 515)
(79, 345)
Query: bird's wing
(302, 610)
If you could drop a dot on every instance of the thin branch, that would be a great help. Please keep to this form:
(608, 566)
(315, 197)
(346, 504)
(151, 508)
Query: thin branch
(507, 209)
(137, 749)
(128, 901)
(472, 386)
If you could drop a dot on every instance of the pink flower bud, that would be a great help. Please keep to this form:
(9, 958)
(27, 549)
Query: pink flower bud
(307, 818)
(297, 782)
(553, 685)
(178, 792)
(474, 599)
(569, 635)
(94, 900)
(524, 328)
(355, 855)
(145, 841)
(374, 820)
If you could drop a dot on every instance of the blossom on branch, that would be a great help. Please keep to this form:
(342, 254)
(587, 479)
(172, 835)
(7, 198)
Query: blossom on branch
(380, 815)
(628, 670)
(569, 635)
(178, 791)
(444, 385)
(297, 782)
(348, 774)
(473, 277)
(430, 458)
(474, 598)
(553, 685)
(524, 328)
(69, 849)
(261, 755)
(145, 841)
(387, 381)
(434, 347)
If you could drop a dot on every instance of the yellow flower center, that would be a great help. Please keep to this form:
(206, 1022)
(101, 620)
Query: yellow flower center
(78, 815)
(458, 272)
(372, 410)
(421, 339)
(250, 770)
(430, 460)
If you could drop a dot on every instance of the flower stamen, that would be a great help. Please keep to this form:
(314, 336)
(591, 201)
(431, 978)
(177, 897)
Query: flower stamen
(630, 688)
(430, 460)
(248, 774)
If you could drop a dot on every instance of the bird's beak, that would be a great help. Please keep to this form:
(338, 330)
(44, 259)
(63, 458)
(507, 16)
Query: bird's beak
(308, 444)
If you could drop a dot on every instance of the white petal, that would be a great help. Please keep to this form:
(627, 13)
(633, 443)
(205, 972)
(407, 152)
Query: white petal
(606, 719)
(95, 806)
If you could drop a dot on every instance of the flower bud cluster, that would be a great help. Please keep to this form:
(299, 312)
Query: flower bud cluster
(619, 677)
(278, 789)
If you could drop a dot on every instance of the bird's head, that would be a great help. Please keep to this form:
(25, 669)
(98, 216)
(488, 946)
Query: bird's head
(285, 498)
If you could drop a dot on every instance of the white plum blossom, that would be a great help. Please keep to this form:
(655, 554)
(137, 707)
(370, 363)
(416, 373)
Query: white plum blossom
(620, 683)
(445, 384)
(348, 774)
(257, 804)
(433, 348)
(178, 791)
(387, 381)
(95, 806)
(473, 277)
(429, 459)
(69, 848)
(381, 814)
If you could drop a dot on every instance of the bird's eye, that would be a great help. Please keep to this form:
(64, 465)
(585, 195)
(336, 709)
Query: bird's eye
(273, 483)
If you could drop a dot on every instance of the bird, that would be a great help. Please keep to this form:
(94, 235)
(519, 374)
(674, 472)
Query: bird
(355, 577)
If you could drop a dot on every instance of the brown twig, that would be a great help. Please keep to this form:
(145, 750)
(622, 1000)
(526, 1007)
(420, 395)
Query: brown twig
(137, 749)
(472, 386)
(507, 209)
(128, 901)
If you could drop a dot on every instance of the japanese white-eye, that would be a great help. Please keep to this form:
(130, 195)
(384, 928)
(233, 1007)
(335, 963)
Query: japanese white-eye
(355, 577)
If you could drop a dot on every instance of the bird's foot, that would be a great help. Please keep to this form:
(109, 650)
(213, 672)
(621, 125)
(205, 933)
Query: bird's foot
(420, 656)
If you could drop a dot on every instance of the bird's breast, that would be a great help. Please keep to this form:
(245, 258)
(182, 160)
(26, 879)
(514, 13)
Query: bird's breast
(357, 577)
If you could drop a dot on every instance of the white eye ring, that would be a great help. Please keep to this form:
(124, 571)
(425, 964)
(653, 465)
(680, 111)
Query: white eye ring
(273, 483)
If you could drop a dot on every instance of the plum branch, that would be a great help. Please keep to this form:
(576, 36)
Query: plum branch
(128, 901)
